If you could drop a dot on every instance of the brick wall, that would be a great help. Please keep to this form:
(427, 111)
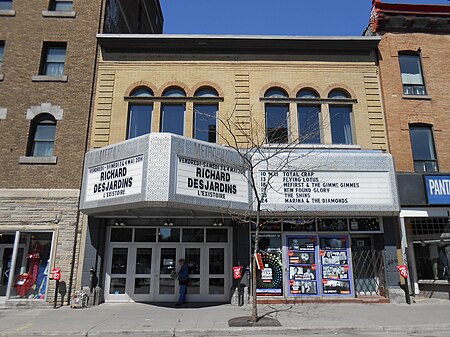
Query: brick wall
(400, 111)
(241, 81)
(24, 35)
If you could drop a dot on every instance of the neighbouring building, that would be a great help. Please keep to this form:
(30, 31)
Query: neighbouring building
(415, 72)
(163, 179)
(48, 55)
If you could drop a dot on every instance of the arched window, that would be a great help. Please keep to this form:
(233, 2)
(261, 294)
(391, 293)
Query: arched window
(205, 115)
(140, 113)
(277, 115)
(172, 112)
(42, 136)
(423, 150)
(308, 117)
(340, 117)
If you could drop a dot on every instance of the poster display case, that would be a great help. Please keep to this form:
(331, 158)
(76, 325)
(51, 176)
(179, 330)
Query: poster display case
(335, 265)
(302, 261)
(318, 265)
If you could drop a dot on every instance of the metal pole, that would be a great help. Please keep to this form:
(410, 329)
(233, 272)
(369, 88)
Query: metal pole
(13, 264)
(55, 301)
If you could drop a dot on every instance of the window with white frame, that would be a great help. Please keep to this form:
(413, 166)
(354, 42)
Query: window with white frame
(423, 150)
(412, 74)
(54, 59)
(42, 136)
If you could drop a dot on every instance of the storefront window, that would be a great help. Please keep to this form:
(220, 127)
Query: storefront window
(32, 266)
(365, 224)
(193, 234)
(332, 225)
(270, 276)
(145, 235)
(216, 235)
(121, 234)
(299, 225)
(169, 235)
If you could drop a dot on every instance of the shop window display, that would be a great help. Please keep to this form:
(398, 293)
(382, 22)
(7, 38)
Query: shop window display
(31, 274)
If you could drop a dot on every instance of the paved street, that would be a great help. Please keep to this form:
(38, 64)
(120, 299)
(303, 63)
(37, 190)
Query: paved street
(425, 318)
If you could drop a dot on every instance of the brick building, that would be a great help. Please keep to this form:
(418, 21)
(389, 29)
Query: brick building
(48, 54)
(162, 180)
(414, 72)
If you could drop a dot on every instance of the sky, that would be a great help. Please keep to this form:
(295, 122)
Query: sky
(271, 17)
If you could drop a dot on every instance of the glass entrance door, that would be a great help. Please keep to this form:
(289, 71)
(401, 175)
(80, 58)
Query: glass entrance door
(5, 265)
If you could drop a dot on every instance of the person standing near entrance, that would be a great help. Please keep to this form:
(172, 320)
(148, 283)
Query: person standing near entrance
(183, 279)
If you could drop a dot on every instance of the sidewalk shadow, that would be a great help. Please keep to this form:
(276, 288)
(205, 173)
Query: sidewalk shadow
(193, 305)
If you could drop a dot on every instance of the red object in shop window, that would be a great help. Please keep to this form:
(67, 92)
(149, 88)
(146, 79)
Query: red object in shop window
(56, 274)
(27, 280)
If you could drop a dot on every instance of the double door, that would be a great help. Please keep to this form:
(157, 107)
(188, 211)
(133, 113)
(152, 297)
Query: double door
(143, 272)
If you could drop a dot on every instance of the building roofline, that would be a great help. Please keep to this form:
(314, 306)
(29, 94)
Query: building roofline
(234, 43)
(409, 17)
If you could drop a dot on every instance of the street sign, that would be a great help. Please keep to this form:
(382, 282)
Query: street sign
(403, 270)
(56, 274)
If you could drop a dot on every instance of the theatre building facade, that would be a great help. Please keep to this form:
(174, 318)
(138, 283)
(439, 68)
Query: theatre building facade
(194, 136)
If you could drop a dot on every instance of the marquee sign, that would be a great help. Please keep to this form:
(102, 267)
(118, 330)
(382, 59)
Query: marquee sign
(198, 178)
(115, 179)
(297, 188)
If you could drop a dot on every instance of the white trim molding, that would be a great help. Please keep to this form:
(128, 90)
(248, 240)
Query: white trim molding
(54, 110)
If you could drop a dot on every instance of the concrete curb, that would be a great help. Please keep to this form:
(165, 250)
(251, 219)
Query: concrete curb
(247, 331)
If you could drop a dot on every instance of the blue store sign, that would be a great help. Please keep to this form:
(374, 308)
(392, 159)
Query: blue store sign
(438, 190)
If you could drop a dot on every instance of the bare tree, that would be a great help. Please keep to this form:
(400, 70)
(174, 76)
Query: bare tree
(270, 151)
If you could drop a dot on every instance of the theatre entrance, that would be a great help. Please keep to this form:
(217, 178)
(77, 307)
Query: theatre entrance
(140, 261)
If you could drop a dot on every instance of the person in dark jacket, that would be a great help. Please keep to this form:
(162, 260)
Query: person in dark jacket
(183, 279)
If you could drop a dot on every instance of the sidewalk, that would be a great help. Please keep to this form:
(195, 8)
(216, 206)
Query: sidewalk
(137, 319)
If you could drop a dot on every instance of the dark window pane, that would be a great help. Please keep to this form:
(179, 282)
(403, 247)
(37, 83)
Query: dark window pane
(173, 118)
(174, 92)
(2, 50)
(121, 234)
(309, 125)
(332, 225)
(44, 136)
(216, 235)
(206, 92)
(194, 286)
(192, 258)
(169, 235)
(216, 286)
(143, 261)
(216, 261)
(336, 94)
(307, 93)
(364, 224)
(54, 63)
(139, 120)
(119, 261)
(167, 260)
(205, 122)
(166, 286)
(341, 129)
(411, 69)
(63, 6)
(193, 234)
(142, 286)
(142, 92)
(276, 123)
(422, 144)
(117, 285)
(6, 4)
(275, 93)
(145, 235)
